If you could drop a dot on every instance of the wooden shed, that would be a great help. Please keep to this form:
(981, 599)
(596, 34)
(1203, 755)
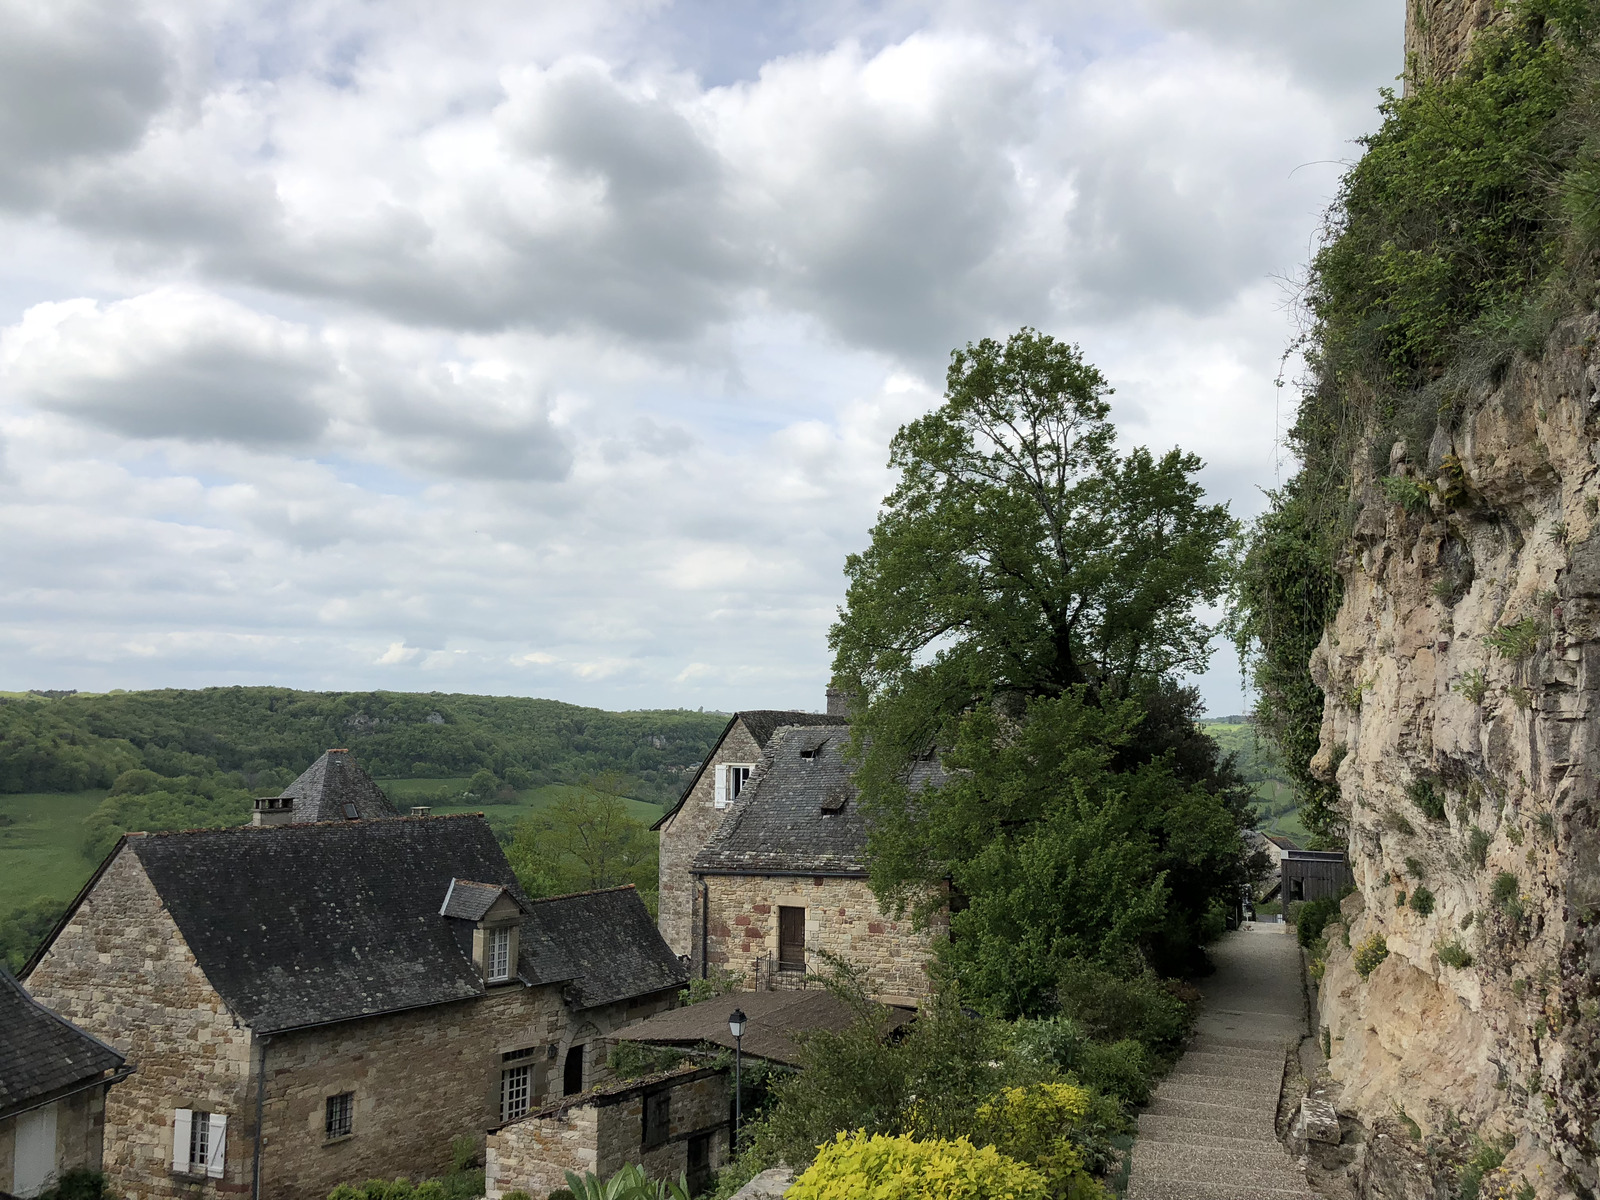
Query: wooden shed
(1313, 874)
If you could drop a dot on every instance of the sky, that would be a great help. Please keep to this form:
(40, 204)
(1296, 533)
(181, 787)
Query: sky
(555, 349)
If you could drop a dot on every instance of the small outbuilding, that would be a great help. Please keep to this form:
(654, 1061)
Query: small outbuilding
(1313, 874)
(53, 1083)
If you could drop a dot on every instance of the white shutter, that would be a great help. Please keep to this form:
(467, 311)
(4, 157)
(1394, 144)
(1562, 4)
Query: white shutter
(218, 1148)
(182, 1121)
(721, 800)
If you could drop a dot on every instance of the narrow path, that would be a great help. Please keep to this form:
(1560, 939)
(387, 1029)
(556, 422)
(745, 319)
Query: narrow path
(1209, 1133)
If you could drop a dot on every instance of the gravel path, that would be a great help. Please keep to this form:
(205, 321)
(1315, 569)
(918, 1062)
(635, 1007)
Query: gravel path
(1209, 1132)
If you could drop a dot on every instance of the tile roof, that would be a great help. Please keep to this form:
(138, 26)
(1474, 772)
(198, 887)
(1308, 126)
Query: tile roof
(609, 943)
(761, 724)
(298, 925)
(774, 1021)
(334, 789)
(469, 901)
(798, 812)
(43, 1055)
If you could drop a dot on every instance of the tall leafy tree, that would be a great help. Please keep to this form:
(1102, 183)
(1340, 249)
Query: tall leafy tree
(1024, 572)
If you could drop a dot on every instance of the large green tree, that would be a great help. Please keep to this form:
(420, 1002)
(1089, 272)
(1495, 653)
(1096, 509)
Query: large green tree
(1025, 575)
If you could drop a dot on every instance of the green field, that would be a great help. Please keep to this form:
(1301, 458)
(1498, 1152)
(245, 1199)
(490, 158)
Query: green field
(1275, 805)
(41, 848)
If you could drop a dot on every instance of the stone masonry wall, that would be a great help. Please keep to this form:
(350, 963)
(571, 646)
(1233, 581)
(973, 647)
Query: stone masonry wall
(842, 918)
(1439, 33)
(1462, 722)
(122, 971)
(603, 1132)
(80, 1125)
(686, 833)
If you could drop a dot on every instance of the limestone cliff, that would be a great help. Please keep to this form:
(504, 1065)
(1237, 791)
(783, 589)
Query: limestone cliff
(1462, 676)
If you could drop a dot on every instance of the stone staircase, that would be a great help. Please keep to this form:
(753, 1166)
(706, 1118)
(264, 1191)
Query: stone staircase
(1209, 1133)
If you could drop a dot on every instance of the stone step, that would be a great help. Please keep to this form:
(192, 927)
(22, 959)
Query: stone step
(1177, 1159)
(1242, 1175)
(1252, 1077)
(1207, 1130)
(1268, 1047)
(1231, 1064)
(1165, 1189)
(1228, 1092)
(1247, 1121)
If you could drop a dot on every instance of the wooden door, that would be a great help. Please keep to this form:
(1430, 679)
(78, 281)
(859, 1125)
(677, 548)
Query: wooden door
(791, 939)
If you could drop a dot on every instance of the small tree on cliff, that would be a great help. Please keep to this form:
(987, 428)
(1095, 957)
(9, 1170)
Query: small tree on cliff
(1025, 575)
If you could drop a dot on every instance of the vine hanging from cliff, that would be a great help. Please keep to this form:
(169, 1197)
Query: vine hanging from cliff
(1467, 228)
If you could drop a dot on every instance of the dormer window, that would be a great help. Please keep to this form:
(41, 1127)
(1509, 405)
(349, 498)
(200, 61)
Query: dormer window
(500, 954)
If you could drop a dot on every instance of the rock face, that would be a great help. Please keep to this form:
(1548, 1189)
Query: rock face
(1439, 32)
(1462, 676)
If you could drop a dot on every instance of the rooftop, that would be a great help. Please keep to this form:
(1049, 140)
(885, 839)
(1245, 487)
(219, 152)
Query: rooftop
(774, 1021)
(334, 788)
(43, 1055)
(761, 723)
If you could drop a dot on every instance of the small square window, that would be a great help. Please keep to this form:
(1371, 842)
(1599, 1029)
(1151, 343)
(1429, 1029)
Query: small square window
(341, 1114)
(516, 1086)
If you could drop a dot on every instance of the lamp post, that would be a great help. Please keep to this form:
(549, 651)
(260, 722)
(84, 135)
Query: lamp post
(736, 1027)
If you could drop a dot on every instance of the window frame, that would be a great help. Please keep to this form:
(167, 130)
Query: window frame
(516, 1085)
(339, 1116)
(791, 964)
(726, 790)
(498, 956)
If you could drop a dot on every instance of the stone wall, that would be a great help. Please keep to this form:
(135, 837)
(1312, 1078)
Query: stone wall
(683, 836)
(1423, 711)
(603, 1131)
(1439, 33)
(122, 971)
(842, 918)
(80, 1125)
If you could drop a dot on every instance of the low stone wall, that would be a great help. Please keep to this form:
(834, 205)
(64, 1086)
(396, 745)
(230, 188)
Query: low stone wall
(603, 1131)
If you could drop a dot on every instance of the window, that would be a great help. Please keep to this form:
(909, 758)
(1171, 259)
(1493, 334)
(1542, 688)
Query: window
(657, 1119)
(519, 1055)
(199, 1142)
(731, 778)
(341, 1111)
(572, 1072)
(499, 954)
(516, 1085)
(791, 938)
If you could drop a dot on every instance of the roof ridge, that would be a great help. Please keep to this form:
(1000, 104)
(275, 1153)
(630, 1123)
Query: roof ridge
(155, 833)
(621, 887)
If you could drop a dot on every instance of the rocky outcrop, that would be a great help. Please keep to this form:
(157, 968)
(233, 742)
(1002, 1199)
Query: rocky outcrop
(1462, 676)
(1439, 33)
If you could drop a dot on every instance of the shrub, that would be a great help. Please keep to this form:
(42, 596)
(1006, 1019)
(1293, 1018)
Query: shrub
(1314, 916)
(1453, 954)
(1369, 954)
(1118, 1069)
(1473, 684)
(1478, 846)
(1415, 869)
(79, 1184)
(633, 1060)
(1411, 494)
(1426, 797)
(1111, 1008)
(1486, 1157)
(897, 1168)
(1517, 640)
(1505, 889)
(1048, 1042)
(1422, 902)
(1032, 1125)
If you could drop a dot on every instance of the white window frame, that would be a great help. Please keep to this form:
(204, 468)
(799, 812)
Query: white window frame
(727, 790)
(500, 954)
(516, 1091)
(199, 1142)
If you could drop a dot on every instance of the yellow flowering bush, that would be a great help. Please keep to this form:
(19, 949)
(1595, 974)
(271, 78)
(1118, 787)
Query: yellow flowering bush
(857, 1167)
(1033, 1125)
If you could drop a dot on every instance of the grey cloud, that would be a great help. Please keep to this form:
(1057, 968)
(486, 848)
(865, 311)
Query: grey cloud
(77, 77)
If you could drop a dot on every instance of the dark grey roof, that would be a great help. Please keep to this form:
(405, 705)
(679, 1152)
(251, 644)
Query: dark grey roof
(469, 901)
(774, 1022)
(762, 723)
(42, 1055)
(798, 812)
(334, 789)
(608, 944)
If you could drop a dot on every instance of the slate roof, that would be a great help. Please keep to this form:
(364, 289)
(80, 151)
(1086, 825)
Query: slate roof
(798, 812)
(299, 925)
(761, 723)
(774, 1022)
(469, 901)
(333, 787)
(43, 1055)
(609, 942)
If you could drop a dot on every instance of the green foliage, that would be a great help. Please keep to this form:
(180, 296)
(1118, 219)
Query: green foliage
(141, 799)
(1121, 1070)
(1517, 640)
(80, 1183)
(1453, 954)
(1425, 795)
(1506, 897)
(23, 928)
(859, 1164)
(1473, 684)
(1478, 843)
(1415, 869)
(1486, 1158)
(1112, 1008)
(584, 841)
(1369, 954)
(629, 1183)
(1032, 1125)
(1315, 915)
(1421, 902)
(718, 982)
(634, 1060)
(1411, 494)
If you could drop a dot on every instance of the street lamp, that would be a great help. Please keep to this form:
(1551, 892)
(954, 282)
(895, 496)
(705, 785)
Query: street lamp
(736, 1027)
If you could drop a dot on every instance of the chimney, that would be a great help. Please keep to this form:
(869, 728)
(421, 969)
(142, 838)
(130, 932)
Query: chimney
(840, 702)
(273, 810)
(420, 810)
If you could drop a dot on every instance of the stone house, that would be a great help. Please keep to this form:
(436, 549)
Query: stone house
(689, 824)
(53, 1083)
(783, 879)
(674, 1123)
(310, 1004)
(333, 788)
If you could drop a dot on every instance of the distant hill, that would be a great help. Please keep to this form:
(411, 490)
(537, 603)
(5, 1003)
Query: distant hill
(265, 736)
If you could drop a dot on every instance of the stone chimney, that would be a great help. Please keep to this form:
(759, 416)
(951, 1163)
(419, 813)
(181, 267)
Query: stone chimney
(273, 810)
(420, 810)
(840, 702)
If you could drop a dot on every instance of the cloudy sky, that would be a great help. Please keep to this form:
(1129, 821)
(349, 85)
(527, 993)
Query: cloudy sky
(554, 349)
